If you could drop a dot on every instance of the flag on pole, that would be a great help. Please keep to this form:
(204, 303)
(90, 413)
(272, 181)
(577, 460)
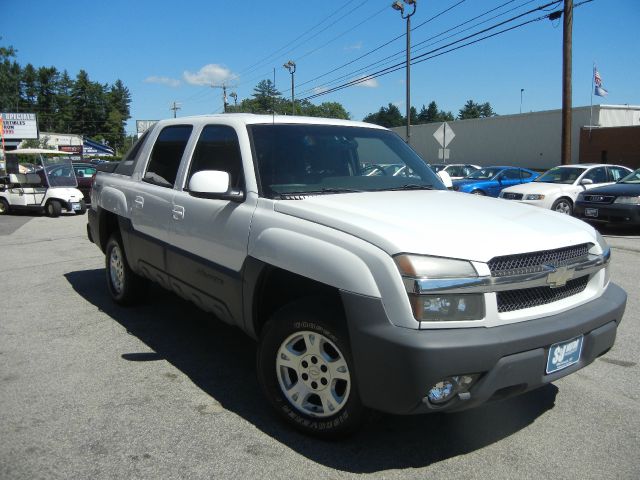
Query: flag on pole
(597, 80)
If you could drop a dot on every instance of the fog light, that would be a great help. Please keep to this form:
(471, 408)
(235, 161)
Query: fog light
(442, 391)
(446, 389)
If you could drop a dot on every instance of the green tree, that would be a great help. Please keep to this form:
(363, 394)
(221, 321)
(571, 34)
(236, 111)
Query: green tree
(64, 117)
(29, 89)
(429, 114)
(47, 107)
(472, 109)
(10, 75)
(387, 117)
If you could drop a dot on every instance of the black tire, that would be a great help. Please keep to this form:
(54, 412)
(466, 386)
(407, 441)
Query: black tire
(53, 208)
(124, 285)
(83, 208)
(563, 205)
(478, 192)
(305, 319)
(4, 206)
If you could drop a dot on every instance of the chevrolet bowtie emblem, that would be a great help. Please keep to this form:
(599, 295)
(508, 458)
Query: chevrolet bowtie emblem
(560, 277)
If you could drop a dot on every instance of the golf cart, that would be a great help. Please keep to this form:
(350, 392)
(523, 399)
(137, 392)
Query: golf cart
(40, 180)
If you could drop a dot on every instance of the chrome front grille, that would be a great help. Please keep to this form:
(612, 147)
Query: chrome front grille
(512, 196)
(535, 261)
(511, 300)
(594, 198)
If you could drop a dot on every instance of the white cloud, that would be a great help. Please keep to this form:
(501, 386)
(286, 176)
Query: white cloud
(366, 82)
(170, 82)
(209, 74)
(355, 46)
(320, 89)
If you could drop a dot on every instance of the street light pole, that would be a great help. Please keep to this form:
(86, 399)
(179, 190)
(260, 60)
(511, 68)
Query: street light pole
(291, 66)
(521, 92)
(397, 5)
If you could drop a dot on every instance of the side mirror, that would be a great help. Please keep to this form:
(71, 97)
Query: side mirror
(586, 181)
(213, 184)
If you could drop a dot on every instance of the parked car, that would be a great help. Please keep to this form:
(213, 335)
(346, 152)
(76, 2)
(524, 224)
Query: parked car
(559, 187)
(85, 173)
(455, 170)
(359, 289)
(618, 203)
(491, 180)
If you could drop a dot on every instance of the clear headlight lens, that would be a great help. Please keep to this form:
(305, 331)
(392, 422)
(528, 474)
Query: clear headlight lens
(449, 307)
(628, 200)
(421, 266)
(534, 196)
(441, 307)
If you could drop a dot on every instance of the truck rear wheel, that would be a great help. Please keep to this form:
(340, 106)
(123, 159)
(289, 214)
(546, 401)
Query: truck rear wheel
(124, 285)
(306, 372)
(53, 208)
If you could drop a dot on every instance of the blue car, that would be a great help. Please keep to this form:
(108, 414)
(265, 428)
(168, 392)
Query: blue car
(491, 180)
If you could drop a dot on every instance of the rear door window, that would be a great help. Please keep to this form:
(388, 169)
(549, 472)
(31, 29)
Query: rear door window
(218, 148)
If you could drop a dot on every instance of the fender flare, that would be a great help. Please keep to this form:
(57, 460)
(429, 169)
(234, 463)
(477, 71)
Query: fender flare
(316, 259)
(114, 201)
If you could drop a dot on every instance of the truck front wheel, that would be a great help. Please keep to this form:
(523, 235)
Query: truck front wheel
(306, 371)
(125, 287)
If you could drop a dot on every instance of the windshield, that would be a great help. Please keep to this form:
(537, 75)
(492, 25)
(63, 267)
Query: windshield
(566, 175)
(484, 174)
(59, 172)
(437, 167)
(633, 177)
(326, 159)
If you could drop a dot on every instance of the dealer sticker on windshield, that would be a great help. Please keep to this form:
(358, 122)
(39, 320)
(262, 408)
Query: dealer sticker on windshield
(564, 354)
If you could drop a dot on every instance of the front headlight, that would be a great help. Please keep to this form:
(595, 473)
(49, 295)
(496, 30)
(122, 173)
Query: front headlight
(534, 196)
(628, 200)
(435, 307)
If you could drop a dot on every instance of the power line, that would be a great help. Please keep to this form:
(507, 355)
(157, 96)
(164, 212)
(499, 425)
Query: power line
(442, 50)
(398, 54)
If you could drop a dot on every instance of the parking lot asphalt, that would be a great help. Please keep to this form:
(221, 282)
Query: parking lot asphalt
(92, 390)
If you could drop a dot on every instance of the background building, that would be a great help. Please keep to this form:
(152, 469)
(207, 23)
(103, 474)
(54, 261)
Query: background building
(533, 139)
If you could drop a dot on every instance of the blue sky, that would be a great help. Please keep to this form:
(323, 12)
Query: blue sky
(172, 51)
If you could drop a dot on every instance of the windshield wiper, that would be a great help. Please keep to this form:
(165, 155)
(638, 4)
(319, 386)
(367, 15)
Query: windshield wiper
(322, 191)
(409, 186)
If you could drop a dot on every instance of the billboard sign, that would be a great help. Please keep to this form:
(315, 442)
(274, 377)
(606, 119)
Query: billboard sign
(19, 125)
(144, 125)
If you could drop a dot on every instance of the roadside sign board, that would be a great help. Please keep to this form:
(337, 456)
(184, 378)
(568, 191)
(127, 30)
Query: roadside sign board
(19, 125)
(444, 135)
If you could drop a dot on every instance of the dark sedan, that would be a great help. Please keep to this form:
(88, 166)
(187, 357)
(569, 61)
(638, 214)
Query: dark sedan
(618, 203)
(84, 173)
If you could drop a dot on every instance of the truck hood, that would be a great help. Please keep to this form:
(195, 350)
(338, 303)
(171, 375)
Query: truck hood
(441, 223)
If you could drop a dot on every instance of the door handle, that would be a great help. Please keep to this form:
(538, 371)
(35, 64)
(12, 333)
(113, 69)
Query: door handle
(178, 212)
(139, 201)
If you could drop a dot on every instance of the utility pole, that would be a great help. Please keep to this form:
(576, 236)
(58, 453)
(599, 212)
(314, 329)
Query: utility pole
(521, 92)
(397, 5)
(224, 95)
(291, 66)
(234, 95)
(175, 107)
(567, 33)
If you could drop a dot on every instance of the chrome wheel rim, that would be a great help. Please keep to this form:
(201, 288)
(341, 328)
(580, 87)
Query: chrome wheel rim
(563, 207)
(3, 207)
(116, 269)
(313, 374)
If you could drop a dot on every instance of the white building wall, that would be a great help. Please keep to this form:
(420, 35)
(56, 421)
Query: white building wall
(528, 140)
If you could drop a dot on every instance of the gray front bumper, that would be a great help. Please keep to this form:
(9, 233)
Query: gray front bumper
(395, 367)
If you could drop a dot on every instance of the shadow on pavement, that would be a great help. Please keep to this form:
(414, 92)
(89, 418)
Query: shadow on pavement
(220, 360)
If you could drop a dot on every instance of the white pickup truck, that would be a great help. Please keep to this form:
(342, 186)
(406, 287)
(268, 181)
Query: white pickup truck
(367, 284)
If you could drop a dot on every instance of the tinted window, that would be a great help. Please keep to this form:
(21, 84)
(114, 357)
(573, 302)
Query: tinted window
(525, 174)
(617, 173)
(166, 155)
(128, 162)
(218, 149)
(455, 171)
(511, 175)
(327, 159)
(484, 173)
(597, 175)
(566, 175)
